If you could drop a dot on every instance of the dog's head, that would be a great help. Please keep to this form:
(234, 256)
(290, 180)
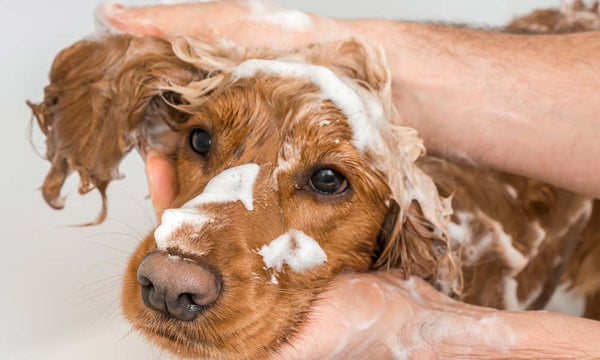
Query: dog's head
(292, 167)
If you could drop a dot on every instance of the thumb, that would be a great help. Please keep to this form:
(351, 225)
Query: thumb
(166, 20)
(161, 176)
(140, 21)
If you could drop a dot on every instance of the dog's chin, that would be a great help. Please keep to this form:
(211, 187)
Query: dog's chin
(179, 343)
(191, 340)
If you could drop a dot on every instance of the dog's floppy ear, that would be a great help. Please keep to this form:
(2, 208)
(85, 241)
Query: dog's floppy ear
(97, 100)
(412, 245)
(417, 241)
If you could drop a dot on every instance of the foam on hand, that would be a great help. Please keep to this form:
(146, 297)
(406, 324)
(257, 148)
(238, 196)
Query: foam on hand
(102, 13)
(231, 185)
(288, 19)
(294, 248)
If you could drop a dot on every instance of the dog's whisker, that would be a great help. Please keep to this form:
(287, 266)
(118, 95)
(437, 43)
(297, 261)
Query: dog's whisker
(127, 333)
(103, 313)
(106, 246)
(116, 314)
(126, 225)
(92, 296)
(101, 280)
(120, 265)
(139, 204)
(114, 238)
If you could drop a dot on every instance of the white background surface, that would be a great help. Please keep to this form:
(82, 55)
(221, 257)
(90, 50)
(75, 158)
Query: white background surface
(59, 286)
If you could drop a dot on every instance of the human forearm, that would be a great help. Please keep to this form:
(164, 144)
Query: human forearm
(417, 322)
(523, 104)
(535, 335)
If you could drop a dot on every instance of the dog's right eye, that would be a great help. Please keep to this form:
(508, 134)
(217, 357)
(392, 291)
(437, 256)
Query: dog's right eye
(200, 141)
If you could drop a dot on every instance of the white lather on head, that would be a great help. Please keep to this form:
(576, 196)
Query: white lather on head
(231, 185)
(363, 117)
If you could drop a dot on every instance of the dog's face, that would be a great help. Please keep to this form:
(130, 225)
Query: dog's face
(290, 171)
(307, 181)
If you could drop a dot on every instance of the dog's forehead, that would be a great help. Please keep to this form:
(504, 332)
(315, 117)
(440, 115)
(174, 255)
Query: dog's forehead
(283, 103)
(258, 116)
(361, 112)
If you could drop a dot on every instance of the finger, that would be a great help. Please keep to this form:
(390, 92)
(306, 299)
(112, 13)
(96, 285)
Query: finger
(173, 20)
(136, 21)
(161, 176)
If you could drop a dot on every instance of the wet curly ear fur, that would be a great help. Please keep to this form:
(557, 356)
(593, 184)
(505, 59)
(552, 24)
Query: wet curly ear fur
(95, 104)
(412, 246)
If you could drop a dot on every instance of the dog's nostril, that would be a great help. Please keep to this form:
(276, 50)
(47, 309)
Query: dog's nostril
(177, 287)
(144, 281)
(188, 300)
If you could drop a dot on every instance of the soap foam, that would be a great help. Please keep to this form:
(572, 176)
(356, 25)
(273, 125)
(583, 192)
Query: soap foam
(365, 133)
(234, 184)
(294, 248)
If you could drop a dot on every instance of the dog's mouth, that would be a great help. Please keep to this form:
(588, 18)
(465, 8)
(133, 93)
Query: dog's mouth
(177, 334)
(165, 334)
(203, 339)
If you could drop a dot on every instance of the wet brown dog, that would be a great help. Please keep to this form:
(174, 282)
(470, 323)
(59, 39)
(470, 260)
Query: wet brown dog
(293, 167)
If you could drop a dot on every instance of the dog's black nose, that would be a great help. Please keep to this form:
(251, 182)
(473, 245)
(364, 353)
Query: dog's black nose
(175, 286)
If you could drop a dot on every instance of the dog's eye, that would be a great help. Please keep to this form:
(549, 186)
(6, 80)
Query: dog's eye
(200, 141)
(328, 181)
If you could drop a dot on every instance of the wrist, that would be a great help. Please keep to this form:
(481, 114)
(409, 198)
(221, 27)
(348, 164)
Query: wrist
(452, 330)
(524, 335)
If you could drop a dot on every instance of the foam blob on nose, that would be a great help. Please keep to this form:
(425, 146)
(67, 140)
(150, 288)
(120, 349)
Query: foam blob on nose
(231, 185)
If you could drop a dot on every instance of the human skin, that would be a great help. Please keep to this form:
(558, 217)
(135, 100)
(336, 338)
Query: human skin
(447, 94)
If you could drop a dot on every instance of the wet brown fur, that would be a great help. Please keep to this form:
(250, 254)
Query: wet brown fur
(109, 96)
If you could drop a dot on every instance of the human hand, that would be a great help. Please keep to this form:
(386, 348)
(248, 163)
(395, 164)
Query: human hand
(377, 316)
(161, 176)
(252, 23)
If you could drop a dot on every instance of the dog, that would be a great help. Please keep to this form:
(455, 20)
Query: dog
(293, 167)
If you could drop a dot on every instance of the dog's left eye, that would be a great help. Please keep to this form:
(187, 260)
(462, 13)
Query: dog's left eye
(328, 181)
(200, 141)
